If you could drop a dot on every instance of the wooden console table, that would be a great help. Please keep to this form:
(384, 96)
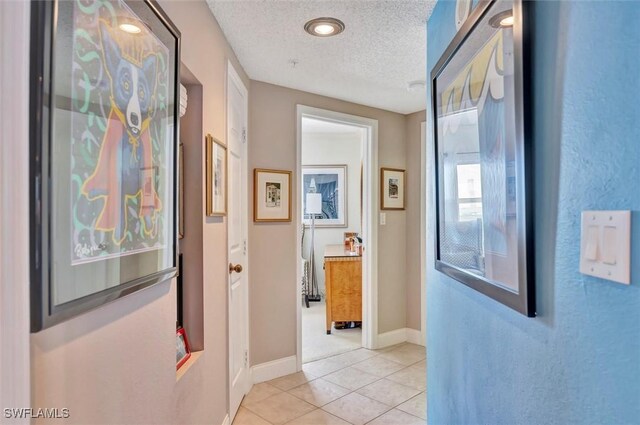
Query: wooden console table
(343, 281)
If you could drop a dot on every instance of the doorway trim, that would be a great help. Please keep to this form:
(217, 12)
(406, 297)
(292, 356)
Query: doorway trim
(423, 232)
(369, 221)
(234, 78)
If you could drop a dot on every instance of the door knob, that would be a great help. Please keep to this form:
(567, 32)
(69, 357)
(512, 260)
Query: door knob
(237, 268)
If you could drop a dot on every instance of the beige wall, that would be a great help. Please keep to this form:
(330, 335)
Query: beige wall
(414, 280)
(272, 139)
(116, 364)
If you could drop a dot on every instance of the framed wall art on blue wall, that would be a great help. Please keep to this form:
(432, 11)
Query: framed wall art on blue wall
(480, 108)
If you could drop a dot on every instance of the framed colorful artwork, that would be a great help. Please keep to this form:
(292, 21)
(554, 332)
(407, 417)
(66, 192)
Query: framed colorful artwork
(104, 153)
(392, 189)
(183, 351)
(483, 156)
(216, 153)
(331, 182)
(271, 195)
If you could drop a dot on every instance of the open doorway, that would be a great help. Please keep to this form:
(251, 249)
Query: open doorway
(332, 173)
(336, 236)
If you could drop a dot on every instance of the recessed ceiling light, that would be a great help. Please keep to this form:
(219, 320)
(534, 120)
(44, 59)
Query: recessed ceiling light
(130, 28)
(502, 20)
(417, 85)
(324, 27)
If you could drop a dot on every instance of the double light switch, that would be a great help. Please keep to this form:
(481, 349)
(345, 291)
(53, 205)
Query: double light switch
(606, 245)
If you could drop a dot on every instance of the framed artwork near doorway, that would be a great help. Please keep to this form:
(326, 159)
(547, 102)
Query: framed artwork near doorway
(483, 157)
(392, 189)
(104, 156)
(271, 195)
(331, 182)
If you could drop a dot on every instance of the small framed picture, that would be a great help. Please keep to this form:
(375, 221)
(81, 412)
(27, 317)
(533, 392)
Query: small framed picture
(331, 182)
(392, 189)
(183, 352)
(271, 195)
(216, 177)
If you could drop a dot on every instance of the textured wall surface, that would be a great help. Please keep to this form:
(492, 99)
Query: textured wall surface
(578, 361)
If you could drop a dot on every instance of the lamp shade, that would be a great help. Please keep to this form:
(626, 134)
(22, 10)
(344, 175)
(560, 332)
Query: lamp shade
(314, 203)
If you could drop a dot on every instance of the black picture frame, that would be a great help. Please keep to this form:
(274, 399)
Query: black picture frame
(469, 267)
(45, 29)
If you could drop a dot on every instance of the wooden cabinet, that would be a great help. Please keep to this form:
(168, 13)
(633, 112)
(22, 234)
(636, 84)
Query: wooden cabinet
(343, 281)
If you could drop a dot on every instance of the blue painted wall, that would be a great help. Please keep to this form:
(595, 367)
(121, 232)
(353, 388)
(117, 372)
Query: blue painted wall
(578, 362)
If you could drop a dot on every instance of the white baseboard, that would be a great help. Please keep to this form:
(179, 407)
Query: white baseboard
(226, 420)
(414, 336)
(388, 339)
(399, 336)
(273, 369)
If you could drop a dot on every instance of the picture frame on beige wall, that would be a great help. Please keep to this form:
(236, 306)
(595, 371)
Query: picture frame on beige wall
(271, 195)
(216, 184)
(392, 189)
(104, 170)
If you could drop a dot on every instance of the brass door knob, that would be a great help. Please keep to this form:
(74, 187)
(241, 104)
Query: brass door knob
(237, 268)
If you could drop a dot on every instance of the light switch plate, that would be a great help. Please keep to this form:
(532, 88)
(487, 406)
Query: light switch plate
(383, 219)
(605, 246)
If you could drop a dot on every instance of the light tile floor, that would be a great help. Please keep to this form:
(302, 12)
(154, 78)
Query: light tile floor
(377, 387)
(316, 344)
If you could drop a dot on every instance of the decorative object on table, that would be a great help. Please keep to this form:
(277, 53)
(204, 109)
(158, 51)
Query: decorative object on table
(104, 142)
(181, 191)
(483, 157)
(183, 351)
(216, 154)
(331, 183)
(271, 195)
(313, 208)
(392, 189)
(348, 238)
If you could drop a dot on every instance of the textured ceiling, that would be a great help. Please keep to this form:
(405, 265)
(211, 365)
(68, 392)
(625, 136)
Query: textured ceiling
(382, 48)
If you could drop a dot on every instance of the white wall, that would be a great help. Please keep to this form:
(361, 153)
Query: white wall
(335, 149)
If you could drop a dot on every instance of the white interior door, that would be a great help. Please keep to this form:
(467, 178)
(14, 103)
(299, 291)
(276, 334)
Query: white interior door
(237, 240)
